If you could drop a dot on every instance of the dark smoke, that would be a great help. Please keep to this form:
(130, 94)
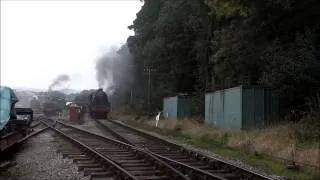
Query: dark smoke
(58, 81)
(114, 70)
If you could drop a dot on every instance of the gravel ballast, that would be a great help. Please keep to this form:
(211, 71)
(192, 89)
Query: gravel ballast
(37, 159)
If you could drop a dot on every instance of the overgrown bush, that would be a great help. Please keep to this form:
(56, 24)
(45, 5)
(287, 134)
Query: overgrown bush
(308, 131)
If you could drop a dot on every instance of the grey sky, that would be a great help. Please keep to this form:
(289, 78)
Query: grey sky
(43, 39)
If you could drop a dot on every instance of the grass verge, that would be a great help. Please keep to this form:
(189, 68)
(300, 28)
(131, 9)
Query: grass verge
(221, 146)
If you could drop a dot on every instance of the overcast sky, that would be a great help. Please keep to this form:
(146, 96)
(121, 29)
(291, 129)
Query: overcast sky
(42, 39)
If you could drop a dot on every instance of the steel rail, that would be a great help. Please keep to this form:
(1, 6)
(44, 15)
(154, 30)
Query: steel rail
(181, 165)
(124, 173)
(236, 168)
(20, 140)
(161, 162)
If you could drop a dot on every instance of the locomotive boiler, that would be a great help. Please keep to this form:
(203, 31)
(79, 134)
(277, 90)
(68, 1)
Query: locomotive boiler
(99, 105)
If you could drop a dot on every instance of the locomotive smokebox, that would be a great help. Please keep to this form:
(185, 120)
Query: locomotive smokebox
(99, 106)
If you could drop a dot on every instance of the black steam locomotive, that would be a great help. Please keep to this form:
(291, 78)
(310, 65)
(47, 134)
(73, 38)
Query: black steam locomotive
(51, 108)
(99, 105)
(54, 103)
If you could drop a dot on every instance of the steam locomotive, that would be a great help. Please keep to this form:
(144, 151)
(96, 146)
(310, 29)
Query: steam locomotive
(99, 105)
(51, 108)
(35, 105)
(53, 105)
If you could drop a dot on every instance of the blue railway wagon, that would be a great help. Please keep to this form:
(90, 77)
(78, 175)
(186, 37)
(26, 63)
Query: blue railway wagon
(14, 122)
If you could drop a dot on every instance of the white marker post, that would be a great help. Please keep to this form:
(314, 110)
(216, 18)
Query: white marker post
(158, 118)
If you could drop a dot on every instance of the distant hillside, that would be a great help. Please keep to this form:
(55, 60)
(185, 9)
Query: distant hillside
(66, 90)
(28, 89)
(69, 91)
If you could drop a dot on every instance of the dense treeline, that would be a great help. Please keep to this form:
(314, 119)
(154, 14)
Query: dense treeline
(206, 45)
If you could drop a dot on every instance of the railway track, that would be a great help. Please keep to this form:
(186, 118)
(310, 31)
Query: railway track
(102, 157)
(10, 142)
(195, 164)
(128, 153)
(12, 139)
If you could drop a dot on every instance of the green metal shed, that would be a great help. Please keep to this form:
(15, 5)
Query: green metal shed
(240, 107)
(178, 107)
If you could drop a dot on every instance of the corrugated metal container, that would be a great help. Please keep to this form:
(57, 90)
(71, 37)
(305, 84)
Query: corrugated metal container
(208, 108)
(240, 107)
(177, 107)
(170, 107)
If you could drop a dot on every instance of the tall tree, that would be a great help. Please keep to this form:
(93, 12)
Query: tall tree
(201, 45)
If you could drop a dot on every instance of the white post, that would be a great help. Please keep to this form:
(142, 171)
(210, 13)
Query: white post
(158, 118)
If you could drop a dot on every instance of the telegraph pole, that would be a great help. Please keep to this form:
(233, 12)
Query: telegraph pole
(131, 97)
(148, 70)
(149, 85)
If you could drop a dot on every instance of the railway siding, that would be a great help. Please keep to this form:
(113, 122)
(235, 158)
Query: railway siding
(37, 159)
(180, 154)
(128, 153)
(123, 157)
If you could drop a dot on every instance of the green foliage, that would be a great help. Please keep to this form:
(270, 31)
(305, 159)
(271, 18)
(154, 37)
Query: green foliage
(203, 45)
(308, 131)
(82, 98)
(56, 97)
(228, 8)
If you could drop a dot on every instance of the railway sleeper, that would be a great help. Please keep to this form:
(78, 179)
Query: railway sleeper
(119, 154)
(88, 161)
(189, 161)
(122, 162)
(147, 173)
(66, 150)
(87, 171)
(108, 178)
(220, 173)
(229, 176)
(177, 157)
(81, 159)
(136, 165)
(122, 158)
(70, 154)
(94, 145)
(158, 147)
(162, 151)
(154, 177)
(75, 155)
(140, 168)
(101, 174)
(217, 171)
(208, 168)
(85, 165)
(200, 165)
(108, 150)
(170, 154)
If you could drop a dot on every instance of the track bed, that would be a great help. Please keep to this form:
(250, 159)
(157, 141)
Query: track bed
(201, 166)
